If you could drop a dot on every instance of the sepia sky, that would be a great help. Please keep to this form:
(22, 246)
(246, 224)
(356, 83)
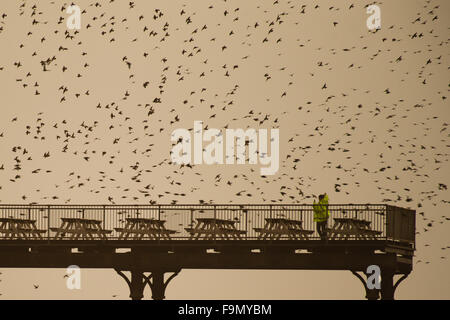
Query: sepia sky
(362, 115)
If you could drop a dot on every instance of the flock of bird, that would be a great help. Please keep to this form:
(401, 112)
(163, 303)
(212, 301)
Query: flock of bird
(166, 67)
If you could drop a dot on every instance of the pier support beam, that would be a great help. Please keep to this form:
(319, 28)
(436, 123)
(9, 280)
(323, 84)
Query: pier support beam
(158, 285)
(136, 284)
(371, 294)
(387, 284)
(155, 280)
(388, 287)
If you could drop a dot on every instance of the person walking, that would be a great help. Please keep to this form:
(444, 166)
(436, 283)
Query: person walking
(321, 215)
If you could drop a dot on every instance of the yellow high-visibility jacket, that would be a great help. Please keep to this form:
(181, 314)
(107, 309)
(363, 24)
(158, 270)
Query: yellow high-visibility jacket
(321, 212)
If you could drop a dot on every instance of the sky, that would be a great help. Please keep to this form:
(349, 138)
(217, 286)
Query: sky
(86, 117)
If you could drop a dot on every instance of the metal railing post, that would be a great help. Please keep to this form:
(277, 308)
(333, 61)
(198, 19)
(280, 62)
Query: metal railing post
(104, 216)
(48, 222)
(246, 223)
(191, 222)
(215, 222)
(159, 218)
(386, 225)
(413, 231)
(392, 213)
(385, 220)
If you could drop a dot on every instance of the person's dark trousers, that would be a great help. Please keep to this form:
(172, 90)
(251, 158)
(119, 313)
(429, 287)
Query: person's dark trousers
(321, 229)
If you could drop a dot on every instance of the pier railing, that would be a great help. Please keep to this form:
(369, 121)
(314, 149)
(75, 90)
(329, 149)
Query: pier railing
(388, 222)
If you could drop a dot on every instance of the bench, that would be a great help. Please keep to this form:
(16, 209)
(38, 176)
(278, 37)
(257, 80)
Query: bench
(277, 228)
(211, 228)
(352, 228)
(138, 228)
